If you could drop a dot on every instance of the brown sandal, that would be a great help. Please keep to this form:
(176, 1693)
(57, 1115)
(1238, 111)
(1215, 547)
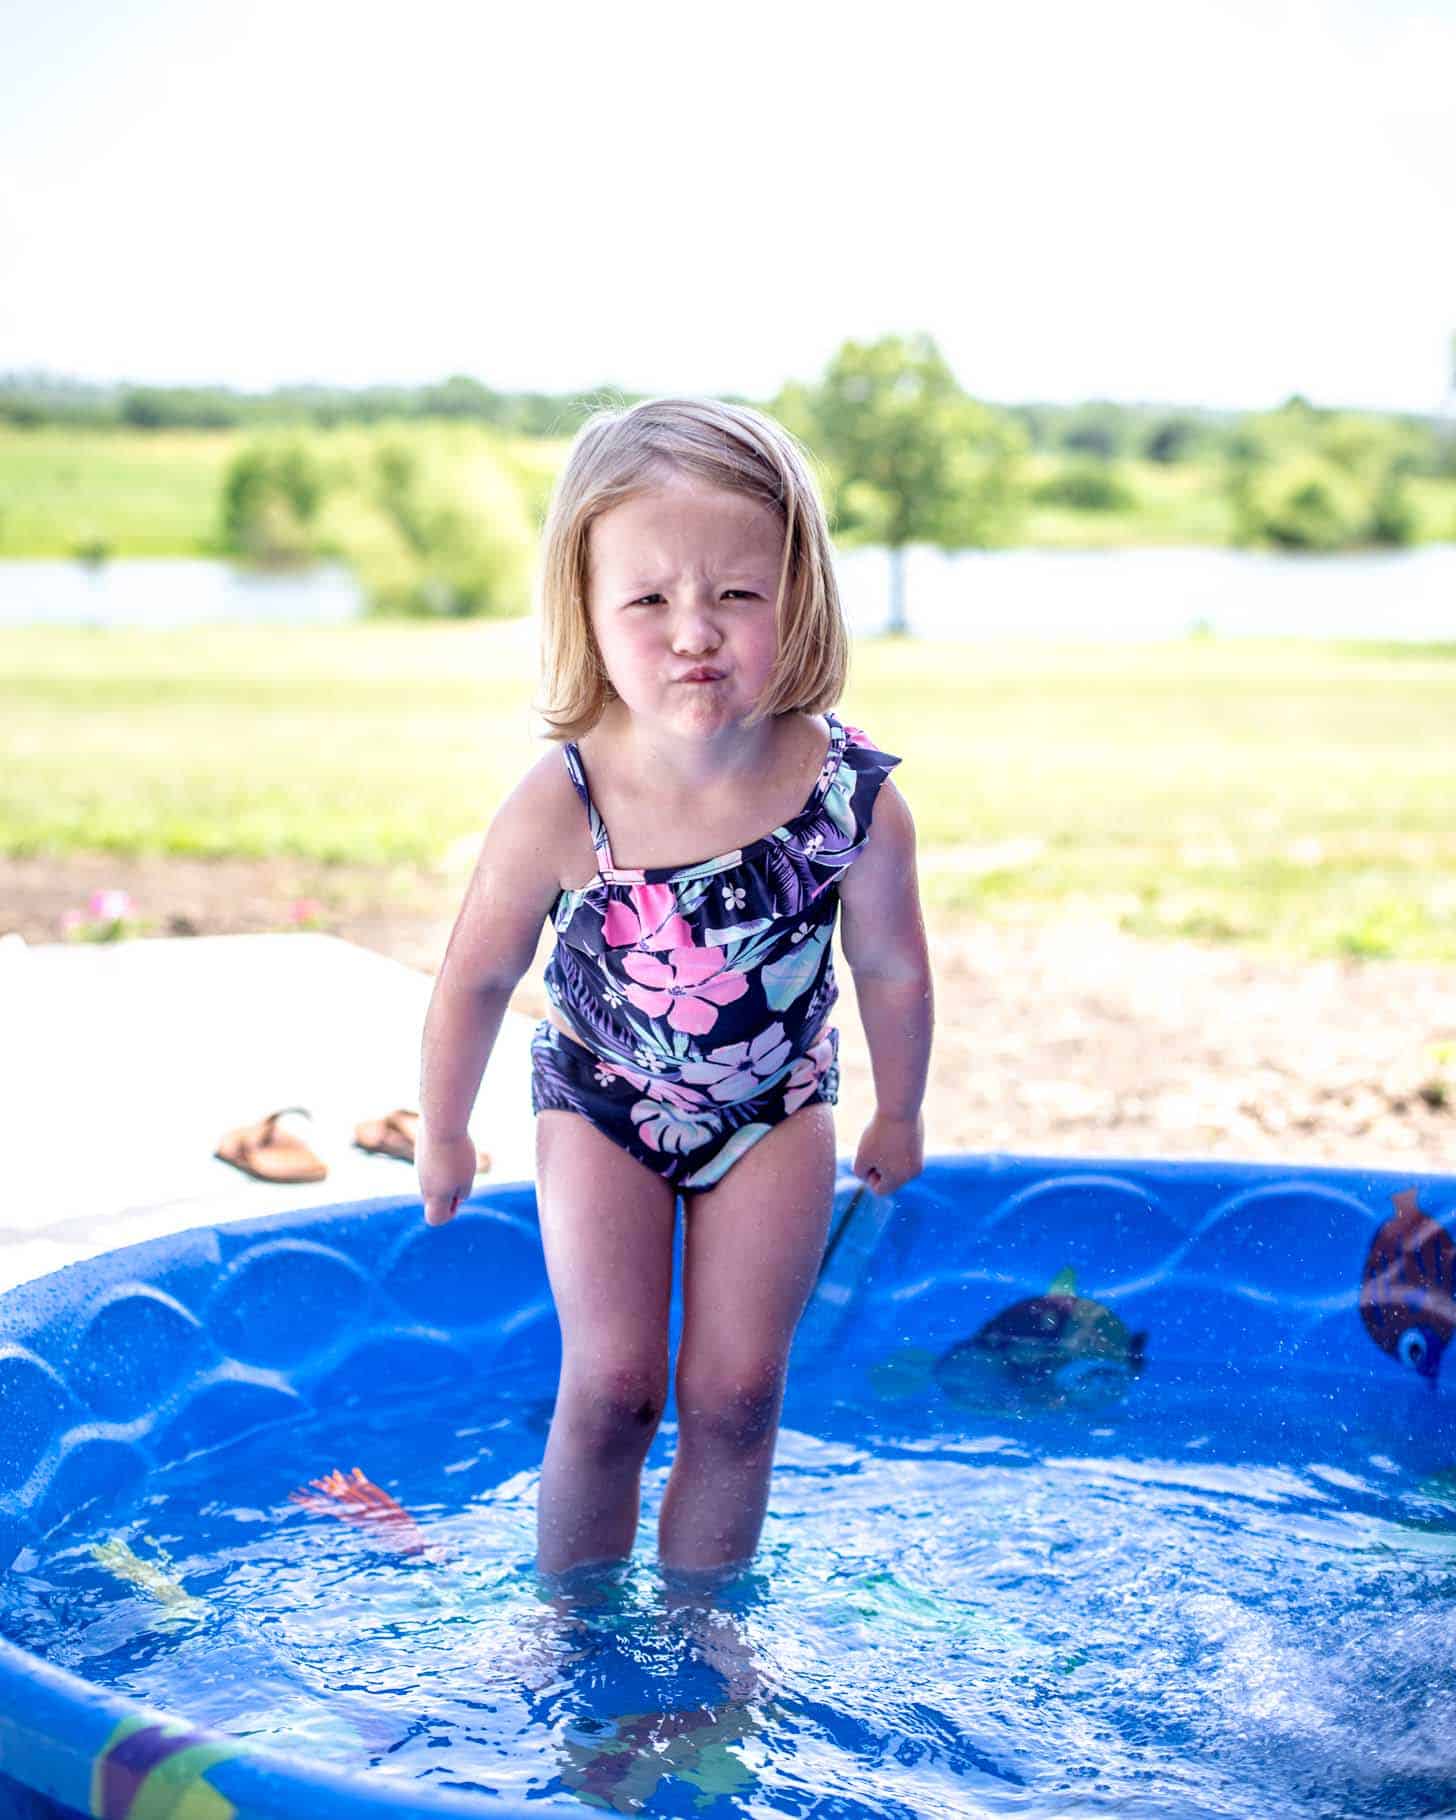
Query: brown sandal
(394, 1135)
(269, 1154)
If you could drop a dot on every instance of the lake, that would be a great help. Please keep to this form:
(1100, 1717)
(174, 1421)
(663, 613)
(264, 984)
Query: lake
(1407, 595)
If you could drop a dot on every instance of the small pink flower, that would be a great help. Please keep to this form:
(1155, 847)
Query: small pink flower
(306, 910)
(71, 921)
(650, 920)
(687, 985)
(109, 906)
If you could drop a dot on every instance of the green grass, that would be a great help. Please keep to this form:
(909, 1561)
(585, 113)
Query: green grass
(1292, 796)
(158, 492)
(139, 495)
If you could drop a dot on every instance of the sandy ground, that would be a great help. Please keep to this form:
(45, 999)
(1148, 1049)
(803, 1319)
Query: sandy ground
(1054, 1039)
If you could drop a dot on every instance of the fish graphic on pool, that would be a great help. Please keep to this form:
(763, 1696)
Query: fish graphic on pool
(1059, 1348)
(1408, 1289)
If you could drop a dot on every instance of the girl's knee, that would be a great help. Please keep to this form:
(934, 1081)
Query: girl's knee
(734, 1403)
(614, 1408)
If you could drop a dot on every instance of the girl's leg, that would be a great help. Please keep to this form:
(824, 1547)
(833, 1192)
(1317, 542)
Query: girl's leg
(751, 1252)
(606, 1227)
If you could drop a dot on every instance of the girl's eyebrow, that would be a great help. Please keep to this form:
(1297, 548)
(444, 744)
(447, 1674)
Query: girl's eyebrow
(742, 570)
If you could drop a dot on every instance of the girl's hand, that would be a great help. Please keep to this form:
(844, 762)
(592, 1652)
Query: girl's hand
(891, 1152)
(446, 1168)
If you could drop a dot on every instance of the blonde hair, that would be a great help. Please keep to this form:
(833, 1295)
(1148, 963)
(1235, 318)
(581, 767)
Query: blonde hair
(617, 455)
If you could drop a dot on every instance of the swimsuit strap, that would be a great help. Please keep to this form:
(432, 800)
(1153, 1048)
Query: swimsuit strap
(577, 772)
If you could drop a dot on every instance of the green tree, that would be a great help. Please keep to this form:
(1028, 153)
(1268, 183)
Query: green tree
(1308, 479)
(1173, 439)
(271, 495)
(913, 458)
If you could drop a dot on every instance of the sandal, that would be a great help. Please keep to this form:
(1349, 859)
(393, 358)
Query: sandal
(394, 1135)
(271, 1155)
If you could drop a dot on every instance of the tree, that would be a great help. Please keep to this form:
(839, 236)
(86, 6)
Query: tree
(913, 458)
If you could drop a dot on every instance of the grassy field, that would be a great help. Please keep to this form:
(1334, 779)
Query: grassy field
(156, 493)
(1292, 796)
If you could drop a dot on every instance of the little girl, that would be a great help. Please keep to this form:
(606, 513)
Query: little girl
(691, 843)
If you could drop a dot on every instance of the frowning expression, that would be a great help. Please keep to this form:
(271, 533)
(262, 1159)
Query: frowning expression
(683, 580)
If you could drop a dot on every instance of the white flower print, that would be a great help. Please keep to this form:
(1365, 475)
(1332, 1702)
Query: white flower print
(604, 1077)
(613, 998)
(734, 897)
(812, 845)
(800, 933)
(648, 1060)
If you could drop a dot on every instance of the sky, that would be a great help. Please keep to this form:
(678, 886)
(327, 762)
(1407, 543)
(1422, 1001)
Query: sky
(1199, 202)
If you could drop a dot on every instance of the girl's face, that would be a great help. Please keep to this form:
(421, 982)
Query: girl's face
(683, 579)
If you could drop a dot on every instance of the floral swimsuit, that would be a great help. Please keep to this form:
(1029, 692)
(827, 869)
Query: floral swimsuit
(704, 990)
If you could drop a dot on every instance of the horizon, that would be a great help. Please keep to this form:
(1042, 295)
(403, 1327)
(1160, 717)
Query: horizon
(1169, 406)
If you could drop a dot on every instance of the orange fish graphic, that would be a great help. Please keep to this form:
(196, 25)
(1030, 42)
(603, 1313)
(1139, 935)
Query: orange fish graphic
(356, 1499)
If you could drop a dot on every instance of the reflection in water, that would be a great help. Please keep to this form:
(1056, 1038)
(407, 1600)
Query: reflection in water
(617, 1759)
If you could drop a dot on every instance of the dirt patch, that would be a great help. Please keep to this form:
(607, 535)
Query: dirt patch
(1059, 1039)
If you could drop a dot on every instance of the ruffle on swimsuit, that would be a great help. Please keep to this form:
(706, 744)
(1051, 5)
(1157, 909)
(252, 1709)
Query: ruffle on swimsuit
(702, 992)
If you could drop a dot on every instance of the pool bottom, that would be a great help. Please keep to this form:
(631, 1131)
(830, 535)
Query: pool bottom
(1218, 1597)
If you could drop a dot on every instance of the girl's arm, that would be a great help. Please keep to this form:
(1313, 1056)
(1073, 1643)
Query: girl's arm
(511, 891)
(883, 936)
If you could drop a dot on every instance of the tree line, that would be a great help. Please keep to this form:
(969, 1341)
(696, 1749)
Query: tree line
(445, 523)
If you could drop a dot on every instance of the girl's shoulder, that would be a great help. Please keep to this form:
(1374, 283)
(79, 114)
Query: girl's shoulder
(544, 810)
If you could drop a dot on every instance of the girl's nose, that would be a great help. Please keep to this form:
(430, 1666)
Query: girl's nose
(694, 630)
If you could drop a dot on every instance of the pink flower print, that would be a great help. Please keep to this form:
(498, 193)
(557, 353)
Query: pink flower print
(687, 985)
(660, 1129)
(650, 920)
(806, 1074)
(738, 1070)
(855, 737)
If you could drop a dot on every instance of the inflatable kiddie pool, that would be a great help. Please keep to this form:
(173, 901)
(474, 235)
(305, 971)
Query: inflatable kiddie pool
(1098, 1483)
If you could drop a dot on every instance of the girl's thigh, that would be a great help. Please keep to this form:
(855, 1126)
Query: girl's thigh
(753, 1244)
(606, 1229)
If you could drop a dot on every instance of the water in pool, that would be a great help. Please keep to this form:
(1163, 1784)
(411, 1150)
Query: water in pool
(1222, 1597)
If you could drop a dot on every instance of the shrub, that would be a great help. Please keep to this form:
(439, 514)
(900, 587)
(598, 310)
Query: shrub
(1302, 501)
(1087, 486)
(271, 495)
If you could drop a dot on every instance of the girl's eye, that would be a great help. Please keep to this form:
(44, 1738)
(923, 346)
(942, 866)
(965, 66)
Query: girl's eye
(645, 599)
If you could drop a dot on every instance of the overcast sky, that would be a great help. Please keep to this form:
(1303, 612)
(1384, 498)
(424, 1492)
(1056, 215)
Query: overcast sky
(1194, 201)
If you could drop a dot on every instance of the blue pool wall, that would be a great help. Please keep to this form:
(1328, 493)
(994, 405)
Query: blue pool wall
(125, 1363)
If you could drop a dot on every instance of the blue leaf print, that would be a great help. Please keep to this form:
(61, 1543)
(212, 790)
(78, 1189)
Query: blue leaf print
(785, 980)
(720, 1164)
(740, 932)
(837, 802)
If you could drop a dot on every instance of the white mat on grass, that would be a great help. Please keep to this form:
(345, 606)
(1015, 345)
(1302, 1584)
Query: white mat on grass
(122, 1064)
